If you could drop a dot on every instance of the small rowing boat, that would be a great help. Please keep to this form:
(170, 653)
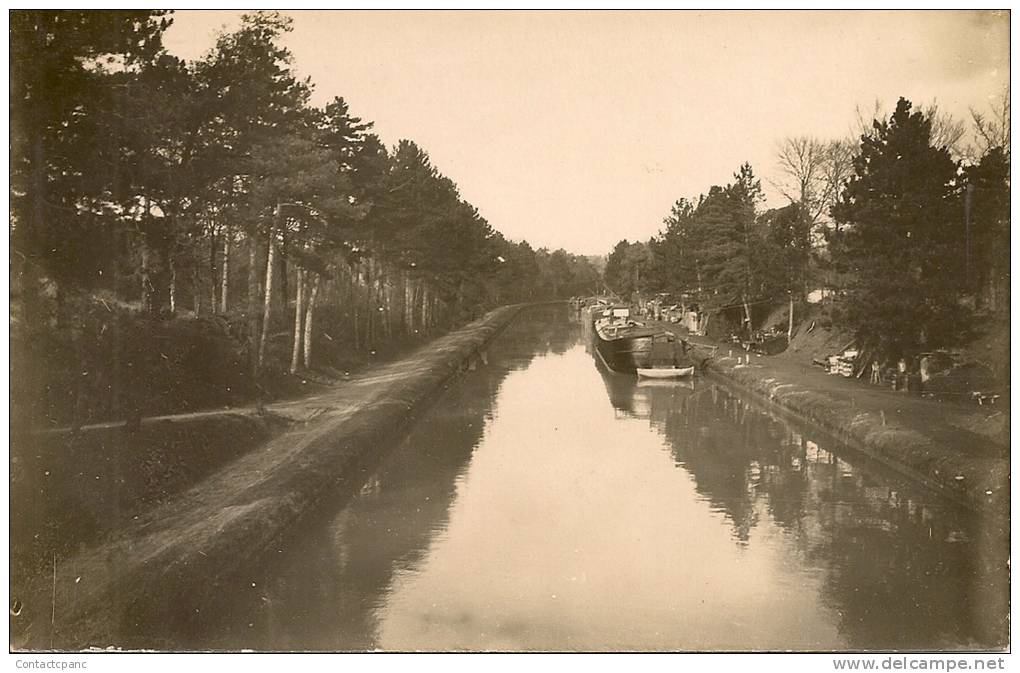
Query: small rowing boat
(665, 372)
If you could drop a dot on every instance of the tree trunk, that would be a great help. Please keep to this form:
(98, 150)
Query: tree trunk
(253, 299)
(283, 271)
(747, 314)
(425, 306)
(267, 310)
(369, 303)
(298, 308)
(354, 325)
(225, 279)
(196, 290)
(408, 304)
(308, 322)
(173, 283)
(789, 331)
(413, 310)
(146, 278)
(387, 288)
(212, 270)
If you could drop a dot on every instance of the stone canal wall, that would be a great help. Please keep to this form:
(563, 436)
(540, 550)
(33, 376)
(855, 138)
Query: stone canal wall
(175, 559)
(914, 437)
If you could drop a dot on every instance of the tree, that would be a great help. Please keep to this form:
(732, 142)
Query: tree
(902, 238)
(135, 176)
(944, 131)
(296, 180)
(987, 244)
(993, 129)
(627, 268)
(167, 178)
(784, 251)
(517, 276)
(676, 265)
(63, 179)
(728, 216)
(801, 161)
(263, 105)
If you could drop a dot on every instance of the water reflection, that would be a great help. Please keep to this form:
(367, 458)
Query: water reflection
(543, 504)
(902, 570)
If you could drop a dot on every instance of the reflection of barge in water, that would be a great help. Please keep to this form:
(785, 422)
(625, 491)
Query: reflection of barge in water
(644, 398)
(627, 346)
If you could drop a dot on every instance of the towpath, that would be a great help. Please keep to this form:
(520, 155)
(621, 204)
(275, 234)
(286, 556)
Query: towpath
(240, 510)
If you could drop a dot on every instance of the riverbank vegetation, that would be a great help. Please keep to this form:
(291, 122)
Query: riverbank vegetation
(902, 233)
(191, 234)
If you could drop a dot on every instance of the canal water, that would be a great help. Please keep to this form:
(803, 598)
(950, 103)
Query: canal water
(542, 503)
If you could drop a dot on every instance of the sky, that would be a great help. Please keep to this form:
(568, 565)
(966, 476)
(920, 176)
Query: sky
(579, 129)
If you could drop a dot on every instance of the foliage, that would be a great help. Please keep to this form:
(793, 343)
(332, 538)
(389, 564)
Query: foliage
(136, 174)
(627, 268)
(903, 238)
(63, 176)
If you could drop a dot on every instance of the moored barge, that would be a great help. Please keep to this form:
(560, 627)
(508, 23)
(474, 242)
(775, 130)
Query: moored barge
(627, 346)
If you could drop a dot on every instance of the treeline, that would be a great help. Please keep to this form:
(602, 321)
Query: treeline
(144, 185)
(719, 252)
(906, 234)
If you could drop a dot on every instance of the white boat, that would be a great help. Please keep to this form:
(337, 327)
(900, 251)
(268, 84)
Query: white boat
(684, 383)
(666, 372)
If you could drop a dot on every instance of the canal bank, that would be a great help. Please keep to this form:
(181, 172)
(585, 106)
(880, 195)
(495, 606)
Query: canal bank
(160, 566)
(544, 503)
(952, 448)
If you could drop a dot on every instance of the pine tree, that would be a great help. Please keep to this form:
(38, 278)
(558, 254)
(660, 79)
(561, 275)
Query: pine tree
(903, 239)
(986, 245)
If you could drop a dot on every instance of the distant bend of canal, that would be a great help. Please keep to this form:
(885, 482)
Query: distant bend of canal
(543, 503)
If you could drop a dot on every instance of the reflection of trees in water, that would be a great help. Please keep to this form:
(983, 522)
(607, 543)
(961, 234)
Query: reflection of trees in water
(899, 569)
(389, 527)
(537, 331)
(320, 590)
(714, 453)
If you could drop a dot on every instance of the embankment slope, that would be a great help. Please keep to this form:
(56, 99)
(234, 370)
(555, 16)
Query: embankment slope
(166, 561)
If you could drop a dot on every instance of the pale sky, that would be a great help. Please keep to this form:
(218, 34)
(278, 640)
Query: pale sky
(578, 129)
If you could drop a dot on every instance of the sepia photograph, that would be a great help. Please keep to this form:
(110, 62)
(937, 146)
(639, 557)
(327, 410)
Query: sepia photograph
(509, 331)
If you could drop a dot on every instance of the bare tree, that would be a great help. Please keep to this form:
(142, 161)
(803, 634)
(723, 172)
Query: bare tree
(813, 173)
(946, 130)
(864, 122)
(992, 130)
(837, 168)
(800, 161)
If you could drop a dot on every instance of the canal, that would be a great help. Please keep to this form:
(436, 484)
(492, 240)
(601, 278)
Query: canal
(544, 504)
